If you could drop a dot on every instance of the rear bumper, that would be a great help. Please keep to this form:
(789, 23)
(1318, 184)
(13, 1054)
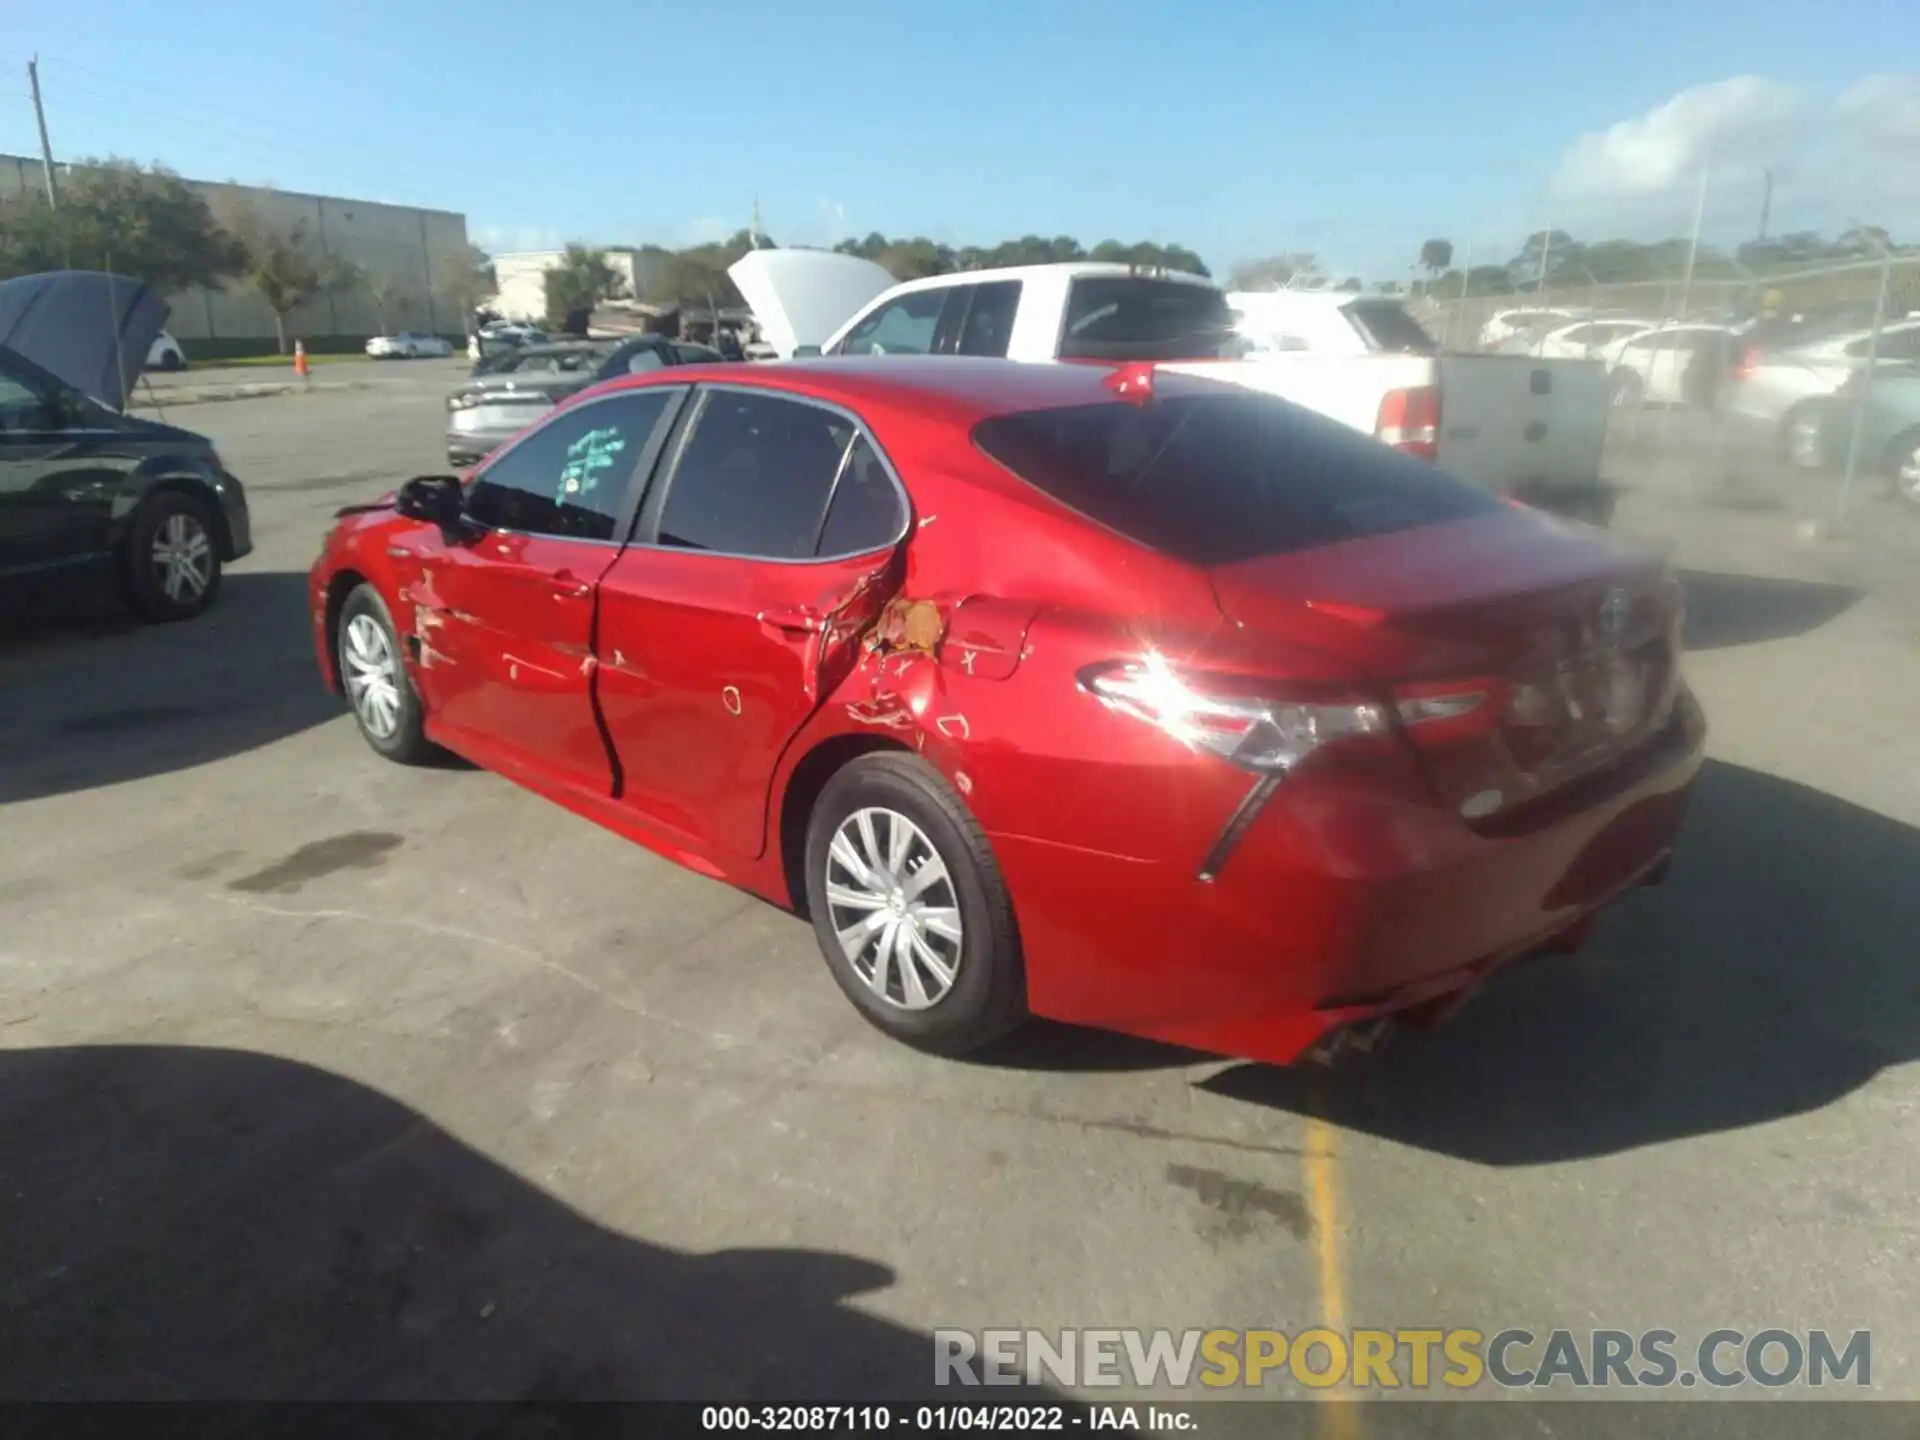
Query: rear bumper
(1404, 916)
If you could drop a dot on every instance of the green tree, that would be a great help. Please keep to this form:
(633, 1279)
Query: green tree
(464, 274)
(581, 280)
(285, 268)
(142, 221)
(1435, 256)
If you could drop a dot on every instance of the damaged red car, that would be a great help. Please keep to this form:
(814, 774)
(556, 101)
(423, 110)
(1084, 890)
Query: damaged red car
(1112, 696)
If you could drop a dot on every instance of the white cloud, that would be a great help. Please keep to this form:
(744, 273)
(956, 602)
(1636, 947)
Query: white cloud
(1833, 159)
(1745, 120)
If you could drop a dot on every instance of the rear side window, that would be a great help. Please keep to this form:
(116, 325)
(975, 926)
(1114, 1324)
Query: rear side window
(1125, 317)
(1385, 326)
(989, 323)
(866, 512)
(755, 477)
(1211, 480)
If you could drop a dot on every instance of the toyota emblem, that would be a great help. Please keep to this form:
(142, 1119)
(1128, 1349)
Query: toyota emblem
(1614, 609)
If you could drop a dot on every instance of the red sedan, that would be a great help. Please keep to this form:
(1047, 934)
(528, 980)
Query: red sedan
(1112, 696)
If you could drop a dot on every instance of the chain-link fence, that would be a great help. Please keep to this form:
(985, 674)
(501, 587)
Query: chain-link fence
(1778, 372)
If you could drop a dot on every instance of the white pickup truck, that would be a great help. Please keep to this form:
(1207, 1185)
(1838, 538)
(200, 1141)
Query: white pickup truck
(1532, 429)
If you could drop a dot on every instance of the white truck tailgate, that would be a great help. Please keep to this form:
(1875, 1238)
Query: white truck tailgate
(1516, 424)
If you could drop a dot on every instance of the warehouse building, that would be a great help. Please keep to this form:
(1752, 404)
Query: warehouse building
(399, 249)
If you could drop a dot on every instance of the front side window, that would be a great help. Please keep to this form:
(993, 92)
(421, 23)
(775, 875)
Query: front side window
(902, 326)
(569, 478)
(755, 476)
(31, 403)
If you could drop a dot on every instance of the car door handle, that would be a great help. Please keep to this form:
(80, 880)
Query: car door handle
(790, 621)
(568, 586)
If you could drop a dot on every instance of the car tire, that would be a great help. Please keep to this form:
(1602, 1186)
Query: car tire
(170, 569)
(373, 673)
(1800, 437)
(1903, 466)
(973, 988)
(173, 360)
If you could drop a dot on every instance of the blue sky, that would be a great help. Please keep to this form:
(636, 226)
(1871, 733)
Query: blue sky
(1353, 130)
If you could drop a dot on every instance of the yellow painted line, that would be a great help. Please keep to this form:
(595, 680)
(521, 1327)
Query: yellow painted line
(1339, 1418)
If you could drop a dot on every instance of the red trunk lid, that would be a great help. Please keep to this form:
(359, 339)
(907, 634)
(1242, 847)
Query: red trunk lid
(1568, 635)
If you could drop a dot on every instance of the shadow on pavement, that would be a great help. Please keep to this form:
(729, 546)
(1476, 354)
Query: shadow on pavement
(1724, 610)
(183, 1223)
(98, 698)
(1771, 975)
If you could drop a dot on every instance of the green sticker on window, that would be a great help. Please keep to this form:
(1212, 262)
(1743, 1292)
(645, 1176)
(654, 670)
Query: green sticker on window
(588, 458)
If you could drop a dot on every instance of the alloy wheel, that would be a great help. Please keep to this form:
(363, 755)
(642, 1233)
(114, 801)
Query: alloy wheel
(894, 908)
(1803, 441)
(183, 558)
(1906, 474)
(372, 673)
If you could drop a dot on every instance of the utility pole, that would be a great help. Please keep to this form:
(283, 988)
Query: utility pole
(46, 146)
(1766, 208)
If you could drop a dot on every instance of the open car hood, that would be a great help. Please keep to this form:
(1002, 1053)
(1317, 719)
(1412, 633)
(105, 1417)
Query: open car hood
(800, 297)
(86, 327)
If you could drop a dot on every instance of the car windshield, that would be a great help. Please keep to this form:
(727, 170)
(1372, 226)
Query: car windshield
(1214, 479)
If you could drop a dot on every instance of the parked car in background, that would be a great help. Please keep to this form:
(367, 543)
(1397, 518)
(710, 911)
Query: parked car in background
(1359, 359)
(165, 353)
(93, 500)
(1887, 414)
(1786, 368)
(1525, 324)
(1174, 709)
(1670, 364)
(483, 345)
(511, 391)
(1531, 428)
(408, 345)
(1586, 339)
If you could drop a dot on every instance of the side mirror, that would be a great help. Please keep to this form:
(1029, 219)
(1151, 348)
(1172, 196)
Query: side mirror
(436, 500)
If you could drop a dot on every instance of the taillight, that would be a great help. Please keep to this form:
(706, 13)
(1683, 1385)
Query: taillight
(1410, 421)
(1748, 362)
(1243, 722)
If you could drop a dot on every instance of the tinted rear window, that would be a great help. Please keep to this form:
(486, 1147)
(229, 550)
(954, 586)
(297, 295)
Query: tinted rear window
(1215, 479)
(1385, 326)
(1125, 317)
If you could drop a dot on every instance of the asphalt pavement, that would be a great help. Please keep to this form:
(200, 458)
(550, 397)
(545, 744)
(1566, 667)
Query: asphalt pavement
(325, 1078)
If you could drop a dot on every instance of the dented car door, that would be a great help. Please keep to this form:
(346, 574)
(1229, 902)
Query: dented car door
(504, 619)
(757, 566)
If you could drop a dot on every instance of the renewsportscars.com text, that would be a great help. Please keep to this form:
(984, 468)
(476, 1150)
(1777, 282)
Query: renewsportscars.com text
(1417, 1359)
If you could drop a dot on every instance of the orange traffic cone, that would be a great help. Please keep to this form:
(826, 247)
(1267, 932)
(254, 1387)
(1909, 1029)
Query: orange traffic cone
(300, 358)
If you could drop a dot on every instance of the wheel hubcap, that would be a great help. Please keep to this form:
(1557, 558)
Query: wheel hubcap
(372, 674)
(1909, 474)
(1805, 442)
(894, 908)
(182, 558)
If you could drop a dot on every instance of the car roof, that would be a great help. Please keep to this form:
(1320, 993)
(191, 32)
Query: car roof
(957, 388)
(1072, 269)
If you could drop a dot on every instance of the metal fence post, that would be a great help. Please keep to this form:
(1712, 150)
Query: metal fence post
(1866, 388)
